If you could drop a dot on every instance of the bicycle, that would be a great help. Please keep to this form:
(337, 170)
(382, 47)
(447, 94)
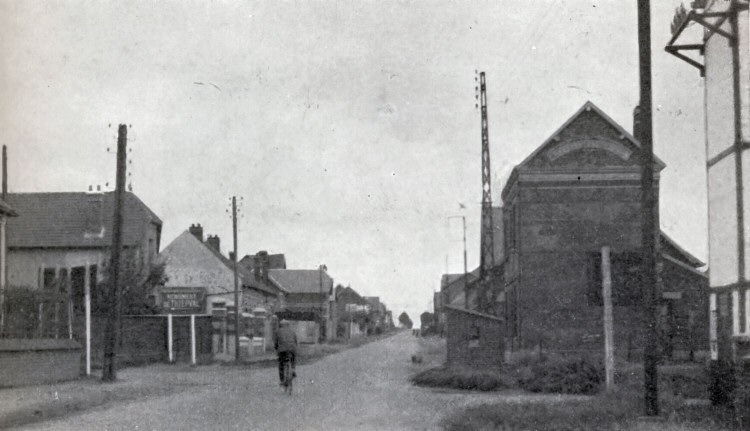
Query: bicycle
(288, 376)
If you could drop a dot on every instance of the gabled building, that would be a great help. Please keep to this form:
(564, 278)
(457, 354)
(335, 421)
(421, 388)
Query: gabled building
(579, 192)
(192, 262)
(351, 310)
(309, 302)
(60, 240)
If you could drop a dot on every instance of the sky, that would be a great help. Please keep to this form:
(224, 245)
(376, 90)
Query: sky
(347, 129)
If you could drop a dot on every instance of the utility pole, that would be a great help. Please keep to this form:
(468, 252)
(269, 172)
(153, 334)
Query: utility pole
(109, 372)
(236, 284)
(487, 256)
(650, 214)
(466, 268)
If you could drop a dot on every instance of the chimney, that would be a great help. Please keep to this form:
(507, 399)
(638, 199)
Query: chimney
(257, 267)
(214, 242)
(260, 264)
(231, 253)
(197, 231)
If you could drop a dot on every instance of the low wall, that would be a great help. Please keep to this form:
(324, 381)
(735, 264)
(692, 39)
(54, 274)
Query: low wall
(25, 362)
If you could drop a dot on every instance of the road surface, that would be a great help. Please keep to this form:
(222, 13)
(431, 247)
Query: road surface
(366, 388)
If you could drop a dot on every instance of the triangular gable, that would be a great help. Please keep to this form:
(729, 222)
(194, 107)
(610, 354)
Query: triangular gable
(192, 263)
(588, 129)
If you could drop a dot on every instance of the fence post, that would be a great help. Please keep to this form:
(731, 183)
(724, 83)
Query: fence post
(87, 312)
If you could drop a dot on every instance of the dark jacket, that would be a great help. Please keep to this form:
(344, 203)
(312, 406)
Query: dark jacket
(286, 340)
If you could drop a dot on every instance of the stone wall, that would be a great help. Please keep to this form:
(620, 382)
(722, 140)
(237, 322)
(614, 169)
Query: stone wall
(25, 362)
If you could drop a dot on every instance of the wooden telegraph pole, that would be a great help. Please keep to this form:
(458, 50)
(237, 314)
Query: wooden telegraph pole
(109, 372)
(236, 284)
(650, 213)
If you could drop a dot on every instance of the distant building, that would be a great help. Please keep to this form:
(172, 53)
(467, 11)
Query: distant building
(309, 302)
(377, 315)
(351, 309)
(190, 261)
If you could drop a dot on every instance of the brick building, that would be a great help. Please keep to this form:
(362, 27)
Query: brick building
(474, 339)
(580, 191)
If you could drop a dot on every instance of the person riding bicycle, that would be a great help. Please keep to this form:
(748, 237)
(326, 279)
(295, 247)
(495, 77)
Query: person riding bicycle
(286, 347)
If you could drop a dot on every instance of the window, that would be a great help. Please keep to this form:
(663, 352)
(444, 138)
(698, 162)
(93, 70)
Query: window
(49, 279)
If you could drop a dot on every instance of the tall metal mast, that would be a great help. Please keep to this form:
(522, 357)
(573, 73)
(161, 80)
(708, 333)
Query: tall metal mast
(487, 257)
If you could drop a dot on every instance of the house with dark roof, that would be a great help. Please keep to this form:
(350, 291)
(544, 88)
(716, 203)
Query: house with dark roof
(576, 193)
(309, 302)
(190, 261)
(377, 315)
(351, 309)
(59, 240)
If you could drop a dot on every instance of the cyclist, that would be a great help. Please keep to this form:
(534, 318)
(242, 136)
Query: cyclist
(286, 347)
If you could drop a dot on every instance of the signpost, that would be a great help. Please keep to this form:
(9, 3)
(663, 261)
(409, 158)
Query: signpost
(184, 301)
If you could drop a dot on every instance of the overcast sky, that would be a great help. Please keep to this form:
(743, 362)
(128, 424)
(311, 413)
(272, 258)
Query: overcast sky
(348, 127)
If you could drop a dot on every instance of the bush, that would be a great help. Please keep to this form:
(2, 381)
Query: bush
(723, 382)
(459, 378)
(571, 415)
(566, 376)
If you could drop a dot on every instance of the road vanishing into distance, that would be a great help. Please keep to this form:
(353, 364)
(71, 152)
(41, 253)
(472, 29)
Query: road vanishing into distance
(365, 388)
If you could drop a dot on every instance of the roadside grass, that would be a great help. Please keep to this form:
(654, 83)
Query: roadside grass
(619, 410)
(459, 378)
(577, 375)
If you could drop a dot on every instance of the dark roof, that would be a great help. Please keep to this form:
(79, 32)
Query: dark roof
(671, 248)
(302, 280)
(275, 261)
(449, 278)
(74, 219)
(357, 298)
(247, 275)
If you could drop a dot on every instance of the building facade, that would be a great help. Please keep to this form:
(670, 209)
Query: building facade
(577, 193)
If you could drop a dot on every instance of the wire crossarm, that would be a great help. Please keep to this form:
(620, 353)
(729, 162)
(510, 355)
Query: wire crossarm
(713, 22)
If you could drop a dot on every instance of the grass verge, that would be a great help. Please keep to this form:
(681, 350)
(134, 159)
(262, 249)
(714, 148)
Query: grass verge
(458, 378)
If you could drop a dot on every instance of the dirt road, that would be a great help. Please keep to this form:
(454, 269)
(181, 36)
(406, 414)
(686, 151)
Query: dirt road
(361, 389)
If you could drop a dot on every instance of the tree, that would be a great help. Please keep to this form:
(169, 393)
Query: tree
(405, 321)
(139, 281)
